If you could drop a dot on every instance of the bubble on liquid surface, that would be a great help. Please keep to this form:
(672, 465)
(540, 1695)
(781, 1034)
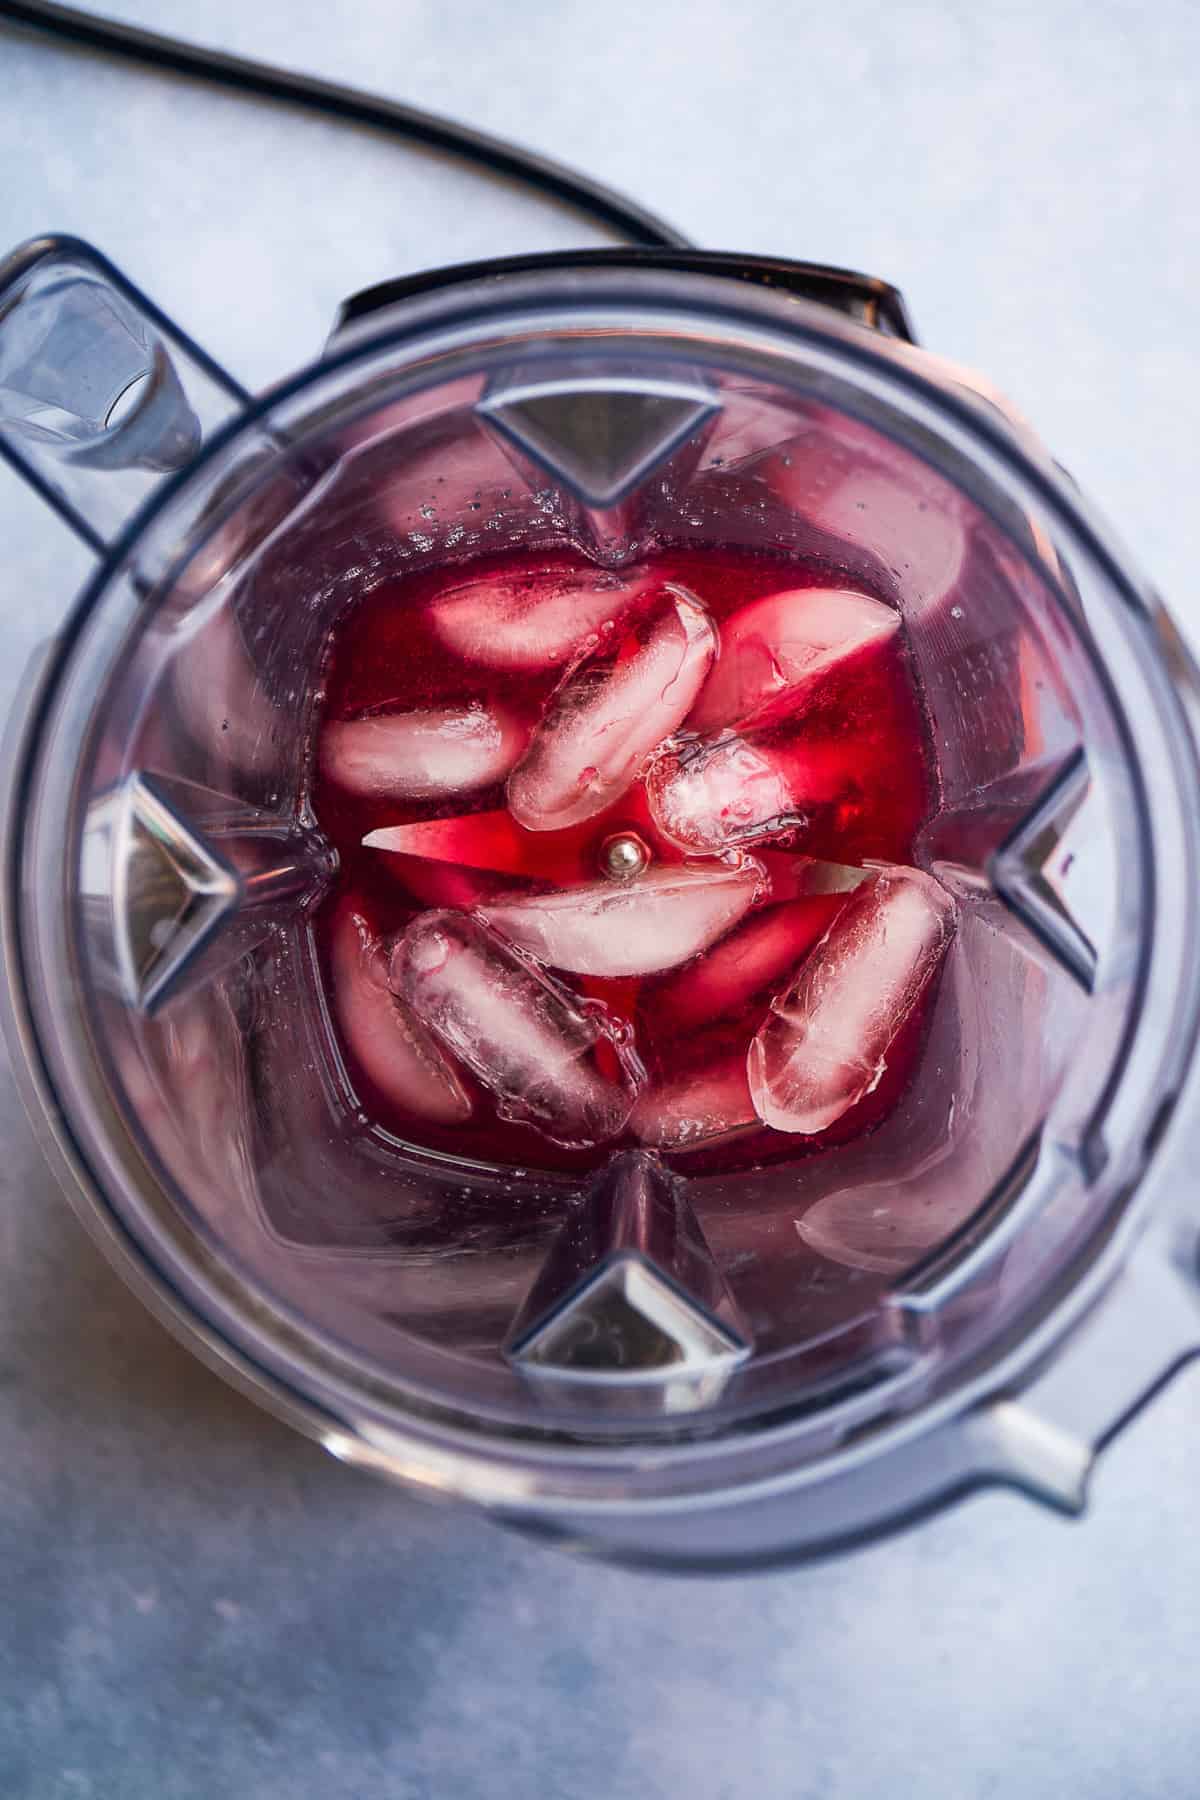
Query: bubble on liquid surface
(525, 1036)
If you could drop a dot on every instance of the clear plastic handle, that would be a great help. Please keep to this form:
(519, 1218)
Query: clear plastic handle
(100, 394)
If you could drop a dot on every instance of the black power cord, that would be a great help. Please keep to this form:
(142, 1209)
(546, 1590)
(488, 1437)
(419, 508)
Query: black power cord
(600, 203)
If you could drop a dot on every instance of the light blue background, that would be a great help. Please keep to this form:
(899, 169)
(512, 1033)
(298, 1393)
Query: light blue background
(194, 1603)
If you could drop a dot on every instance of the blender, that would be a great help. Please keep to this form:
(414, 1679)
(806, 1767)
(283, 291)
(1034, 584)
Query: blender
(662, 1360)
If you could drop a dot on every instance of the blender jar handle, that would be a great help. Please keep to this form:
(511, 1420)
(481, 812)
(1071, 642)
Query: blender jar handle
(100, 394)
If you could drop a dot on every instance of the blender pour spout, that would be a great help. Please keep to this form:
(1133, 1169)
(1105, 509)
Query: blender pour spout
(100, 394)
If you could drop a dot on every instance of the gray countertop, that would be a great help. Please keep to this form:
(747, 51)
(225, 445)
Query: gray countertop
(195, 1602)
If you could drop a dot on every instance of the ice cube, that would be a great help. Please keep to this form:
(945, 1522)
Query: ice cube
(761, 951)
(653, 922)
(392, 1047)
(529, 1040)
(717, 793)
(777, 649)
(614, 707)
(699, 1108)
(532, 620)
(824, 1044)
(422, 755)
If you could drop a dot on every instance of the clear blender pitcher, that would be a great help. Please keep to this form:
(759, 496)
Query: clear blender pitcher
(661, 1362)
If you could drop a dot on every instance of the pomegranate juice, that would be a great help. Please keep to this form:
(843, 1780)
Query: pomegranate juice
(625, 859)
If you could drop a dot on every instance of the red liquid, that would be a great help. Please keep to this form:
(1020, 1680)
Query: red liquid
(865, 717)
